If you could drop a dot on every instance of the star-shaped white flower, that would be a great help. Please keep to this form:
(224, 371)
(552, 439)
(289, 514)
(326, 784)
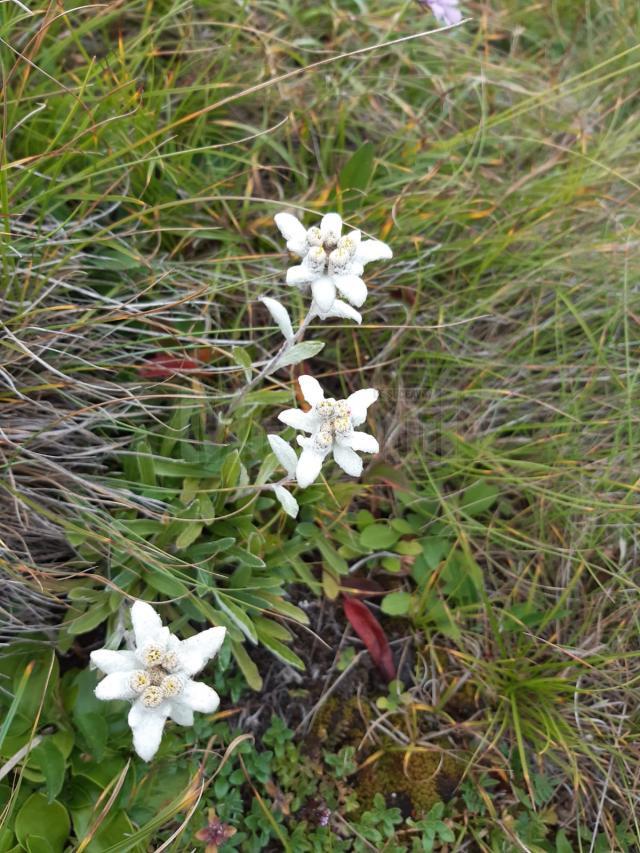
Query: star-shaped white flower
(157, 677)
(330, 263)
(331, 424)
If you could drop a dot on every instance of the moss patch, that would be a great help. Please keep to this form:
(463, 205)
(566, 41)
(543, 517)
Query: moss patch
(412, 781)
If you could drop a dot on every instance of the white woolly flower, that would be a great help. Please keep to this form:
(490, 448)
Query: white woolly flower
(331, 263)
(156, 676)
(331, 426)
(445, 11)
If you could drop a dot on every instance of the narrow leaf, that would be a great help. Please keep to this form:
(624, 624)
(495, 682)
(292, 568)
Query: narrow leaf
(162, 365)
(241, 357)
(287, 501)
(298, 353)
(370, 632)
(280, 315)
(285, 454)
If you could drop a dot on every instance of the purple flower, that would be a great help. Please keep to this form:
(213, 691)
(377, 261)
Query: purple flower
(445, 11)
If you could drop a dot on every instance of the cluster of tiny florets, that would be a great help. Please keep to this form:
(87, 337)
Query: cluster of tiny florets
(331, 255)
(158, 680)
(336, 421)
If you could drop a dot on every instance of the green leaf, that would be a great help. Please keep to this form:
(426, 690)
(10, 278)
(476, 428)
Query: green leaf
(357, 171)
(247, 666)
(6, 835)
(242, 358)
(144, 459)
(392, 564)
(434, 550)
(51, 763)
(205, 550)
(38, 844)
(409, 548)
(95, 731)
(188, 535)
(281, 651)
(163, 582)
(237, 616)
(563, 845)
(245, 558)
(37, 813)
(478, 498)
(94, 616)
(298, 353)
(230, 473)
(378, 537)
(396, 603)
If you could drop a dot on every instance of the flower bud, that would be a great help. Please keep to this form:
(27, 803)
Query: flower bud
(139, 681)
(314, 236)
(325, 408)
(152, 697)
(152, 655)
(323, 439)
(338, 261)
(316, 259)
(171, 686)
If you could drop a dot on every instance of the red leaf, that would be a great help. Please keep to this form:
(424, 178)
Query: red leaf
(161, 365)
(370, 632)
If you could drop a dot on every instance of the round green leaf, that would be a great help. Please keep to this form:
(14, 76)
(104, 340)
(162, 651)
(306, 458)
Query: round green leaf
(377, 537)
(37, 813)
(396, 603)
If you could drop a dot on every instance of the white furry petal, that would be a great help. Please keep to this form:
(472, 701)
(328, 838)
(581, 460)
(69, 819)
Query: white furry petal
(147, 725)
(308, 467)
(324, 292)
(352, 287)
(115, 686)
(285, 454)
(197, 650)
(359, 402)
(109, 661)
(331, 226)
(311, 389)
(293, 232)
(147, 625)
(287, 501)
(298, 419)
(348, 460)
(372, 250)
(343, 310)
(300, 275)
(363, 442)
(199, 697)
(280, 315)
(181, 715)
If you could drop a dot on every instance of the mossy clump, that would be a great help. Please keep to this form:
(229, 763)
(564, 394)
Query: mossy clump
(339, 723)
(412, 781)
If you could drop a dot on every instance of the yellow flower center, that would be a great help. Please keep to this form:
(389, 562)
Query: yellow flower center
(152, 696)
(172, 685)
(139, 681)
(152, 655)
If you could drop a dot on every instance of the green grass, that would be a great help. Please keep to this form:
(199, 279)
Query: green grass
(146, 148)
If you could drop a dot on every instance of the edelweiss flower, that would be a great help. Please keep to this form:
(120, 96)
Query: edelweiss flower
(331, 424)
(445, 11)
(330, 263)
(156, 677)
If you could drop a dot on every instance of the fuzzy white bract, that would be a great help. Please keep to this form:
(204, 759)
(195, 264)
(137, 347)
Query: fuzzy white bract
(156, 676)
(330, 263)
(331, 426)
(445, 11)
